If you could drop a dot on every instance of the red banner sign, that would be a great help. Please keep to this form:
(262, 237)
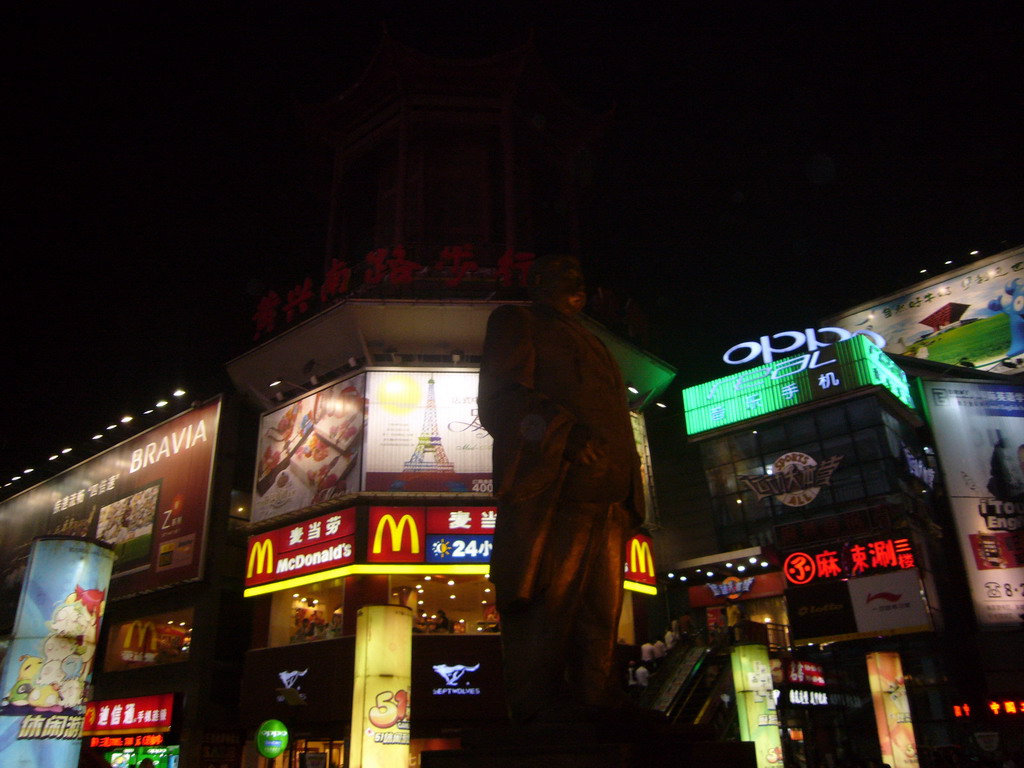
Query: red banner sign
(307, 547)
(397, 535)
(849, 560)
(141, 714)
(640, 561)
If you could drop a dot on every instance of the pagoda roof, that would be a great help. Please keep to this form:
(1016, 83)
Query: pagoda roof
(402, 79)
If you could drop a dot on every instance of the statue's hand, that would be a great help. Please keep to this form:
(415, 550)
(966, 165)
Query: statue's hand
(590, 454)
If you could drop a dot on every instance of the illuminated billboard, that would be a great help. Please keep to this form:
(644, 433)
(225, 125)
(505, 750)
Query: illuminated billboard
(979, 431)
(423, 433)
(756, 699)
(971, 315)
(310, 450)
(381, 711)
(843, 367)
(48, 666)
(398, 431)
(148, 497)
(893, 719)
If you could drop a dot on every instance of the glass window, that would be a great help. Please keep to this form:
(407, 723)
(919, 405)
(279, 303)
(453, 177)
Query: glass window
(772, 438)
(831, 421)
(310, 612)
(148, 641)
(447, 604)
(715, 452)
(877, 478)
(846, 483)
(869, 444)
(744, 446)
(800, 429)
(721, 480)
(864, 412)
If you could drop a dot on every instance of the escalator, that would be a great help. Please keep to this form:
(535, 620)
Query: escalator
(694, 690)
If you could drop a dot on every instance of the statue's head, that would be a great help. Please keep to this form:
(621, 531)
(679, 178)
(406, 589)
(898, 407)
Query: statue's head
(557, 281)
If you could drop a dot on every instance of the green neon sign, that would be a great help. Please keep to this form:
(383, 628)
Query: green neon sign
(842, 367)
(271, 738)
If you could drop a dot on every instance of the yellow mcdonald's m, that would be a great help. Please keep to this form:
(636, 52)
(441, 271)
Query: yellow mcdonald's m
(261, 558)
(640, 558)
(145, 630)
(397, 529)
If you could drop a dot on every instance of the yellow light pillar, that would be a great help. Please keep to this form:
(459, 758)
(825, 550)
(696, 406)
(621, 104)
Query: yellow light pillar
(380, 693)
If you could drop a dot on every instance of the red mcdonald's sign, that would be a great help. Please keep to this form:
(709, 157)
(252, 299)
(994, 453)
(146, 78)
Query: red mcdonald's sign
(396, 535)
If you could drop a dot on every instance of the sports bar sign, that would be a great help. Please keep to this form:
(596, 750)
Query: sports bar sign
(845, 366)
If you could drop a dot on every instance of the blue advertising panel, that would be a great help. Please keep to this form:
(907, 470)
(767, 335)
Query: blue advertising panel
(448, 548)
(52, 653)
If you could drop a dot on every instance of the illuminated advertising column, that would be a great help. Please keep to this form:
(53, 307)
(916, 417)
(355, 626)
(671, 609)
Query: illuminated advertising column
(52, 652)
(380, 693)
(756, 703)
(892, 710)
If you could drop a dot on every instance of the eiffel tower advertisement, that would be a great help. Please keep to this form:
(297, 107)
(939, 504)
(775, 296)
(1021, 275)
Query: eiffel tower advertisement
(423, 433)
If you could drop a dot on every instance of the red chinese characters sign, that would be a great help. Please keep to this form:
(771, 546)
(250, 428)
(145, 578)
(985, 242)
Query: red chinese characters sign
(307, 547)
(141, 714)
(385, 266)
(848, 560)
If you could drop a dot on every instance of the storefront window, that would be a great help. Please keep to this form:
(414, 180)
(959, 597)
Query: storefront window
(148, 641)
(447, 604)
(311, 612)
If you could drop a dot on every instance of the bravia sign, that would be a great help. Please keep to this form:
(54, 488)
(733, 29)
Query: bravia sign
(844, 367)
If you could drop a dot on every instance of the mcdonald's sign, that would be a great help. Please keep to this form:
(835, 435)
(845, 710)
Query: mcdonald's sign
(261, 558)
(311, 546)
(146, 634)
(639, 561)
(397, 535)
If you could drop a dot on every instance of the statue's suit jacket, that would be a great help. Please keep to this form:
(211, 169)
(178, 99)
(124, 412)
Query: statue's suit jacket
(547, 385)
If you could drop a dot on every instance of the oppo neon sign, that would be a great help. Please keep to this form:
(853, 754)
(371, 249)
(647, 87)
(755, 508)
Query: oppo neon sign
(765, 348)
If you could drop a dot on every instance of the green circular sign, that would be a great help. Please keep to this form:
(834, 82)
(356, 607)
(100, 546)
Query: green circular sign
(271, 738)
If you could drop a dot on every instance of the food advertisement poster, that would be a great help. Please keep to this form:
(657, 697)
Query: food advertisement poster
(49, 664)
(979, 429)
(148, 496)
(892, 709)
(972, 315)
(310, 450)
(424, 434)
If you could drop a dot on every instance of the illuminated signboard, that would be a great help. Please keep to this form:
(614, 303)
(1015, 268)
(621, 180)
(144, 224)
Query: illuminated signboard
(971, 314)
(1011, 707)
(756, 703)
(49, 661)
(640, 575)
(310, 450)
(140, 714)
(890, 603)
(893, 719)
(423, 433)
(320, 544)
(148, 496)
(843, 367)
(856, 558)
(457, 680)
(801, 697)
(979, 429)
(805, 673)
(795, 478)
(380, 694)
(133, 752)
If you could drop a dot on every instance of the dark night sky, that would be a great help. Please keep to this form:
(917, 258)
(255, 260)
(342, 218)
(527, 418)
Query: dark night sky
(769, 163)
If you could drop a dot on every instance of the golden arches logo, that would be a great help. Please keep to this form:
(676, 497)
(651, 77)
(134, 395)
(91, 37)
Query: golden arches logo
(640, 558)
(397, 529)
(261, 558)
(144, 629)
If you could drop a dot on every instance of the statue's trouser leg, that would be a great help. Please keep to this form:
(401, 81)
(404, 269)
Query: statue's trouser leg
(559, 650)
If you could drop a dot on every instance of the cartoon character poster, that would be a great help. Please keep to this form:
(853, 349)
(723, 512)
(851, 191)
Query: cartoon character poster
(53, 650)
(973, 316)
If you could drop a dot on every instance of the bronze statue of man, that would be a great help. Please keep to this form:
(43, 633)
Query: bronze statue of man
(567, 478)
